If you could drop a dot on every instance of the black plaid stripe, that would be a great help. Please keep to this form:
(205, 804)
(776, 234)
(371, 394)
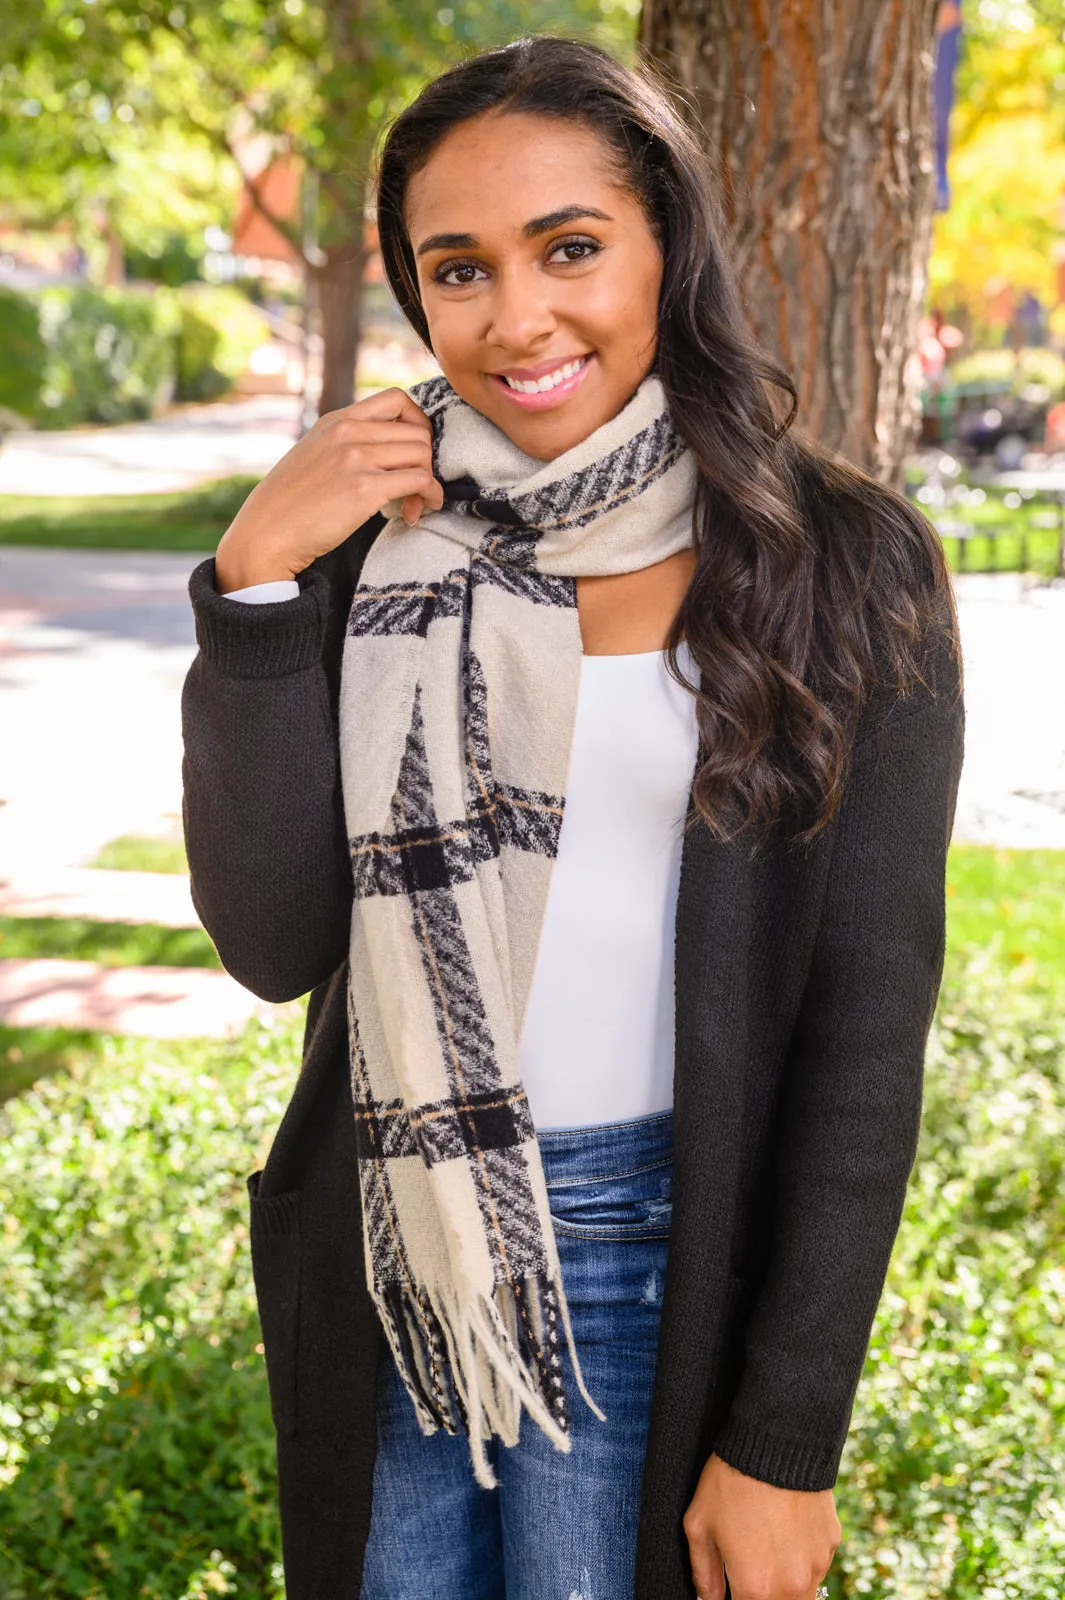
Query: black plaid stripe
(413, 804)
(480, 787)
(509, 1211)
(493, 564)
(415, 860)
(444, 1130)
(418, 860)
(388, 1258)
(529, 820)
(408, 608)
(504, 1192)
(621, 476)
(515, 551)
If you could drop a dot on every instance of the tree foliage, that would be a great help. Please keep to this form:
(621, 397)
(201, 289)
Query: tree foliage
(1007, 158)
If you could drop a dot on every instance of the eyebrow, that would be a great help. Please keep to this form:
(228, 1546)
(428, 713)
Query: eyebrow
(531, 230)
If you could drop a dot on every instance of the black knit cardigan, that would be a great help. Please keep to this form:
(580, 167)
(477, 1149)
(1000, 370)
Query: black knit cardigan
(806, 981)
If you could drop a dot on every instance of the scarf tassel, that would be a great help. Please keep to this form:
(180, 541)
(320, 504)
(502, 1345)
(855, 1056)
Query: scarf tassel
(503, 1353)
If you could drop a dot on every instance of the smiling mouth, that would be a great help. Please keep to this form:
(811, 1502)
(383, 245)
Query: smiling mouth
(549, 381)
(528, 395)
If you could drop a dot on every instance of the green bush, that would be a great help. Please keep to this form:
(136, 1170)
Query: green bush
(110, 354)
(1014, 370)
(22, 353)
(135, 1438)
(135, 1435)
(218, 330)
(72, 355)
(952, 1482)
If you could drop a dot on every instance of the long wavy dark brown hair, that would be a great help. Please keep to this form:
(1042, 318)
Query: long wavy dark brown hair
(814, 582)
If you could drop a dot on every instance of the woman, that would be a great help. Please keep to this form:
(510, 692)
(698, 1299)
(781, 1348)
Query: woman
(569, 1245)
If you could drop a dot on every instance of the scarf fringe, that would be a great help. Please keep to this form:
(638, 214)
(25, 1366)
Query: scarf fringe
(503, 1353)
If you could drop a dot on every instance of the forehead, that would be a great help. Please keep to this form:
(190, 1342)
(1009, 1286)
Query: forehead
(498, 170)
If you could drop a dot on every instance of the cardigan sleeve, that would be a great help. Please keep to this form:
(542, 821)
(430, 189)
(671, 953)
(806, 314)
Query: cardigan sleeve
(849, 1113)
(261, 803)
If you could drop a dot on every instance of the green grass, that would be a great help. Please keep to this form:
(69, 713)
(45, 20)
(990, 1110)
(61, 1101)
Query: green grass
(194, 519)
(1010, 906)
(134, 852)
(113, 944)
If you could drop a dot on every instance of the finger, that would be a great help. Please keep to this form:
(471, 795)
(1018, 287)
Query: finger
(380, 430)
(708, 1569)
(406, 480)
(394, 404)
(387, 457)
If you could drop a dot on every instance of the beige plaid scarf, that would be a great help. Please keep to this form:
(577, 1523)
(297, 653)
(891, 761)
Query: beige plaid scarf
(461, 670)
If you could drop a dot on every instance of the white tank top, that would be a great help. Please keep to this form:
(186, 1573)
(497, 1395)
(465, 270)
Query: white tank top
(597, 1040)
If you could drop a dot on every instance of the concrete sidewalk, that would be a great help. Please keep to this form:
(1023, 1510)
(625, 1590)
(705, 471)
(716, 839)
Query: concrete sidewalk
(161, 898)
(192, 445)
(157, 1002)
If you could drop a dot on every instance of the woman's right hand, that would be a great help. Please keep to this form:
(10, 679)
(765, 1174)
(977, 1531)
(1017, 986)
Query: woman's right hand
(343, 470)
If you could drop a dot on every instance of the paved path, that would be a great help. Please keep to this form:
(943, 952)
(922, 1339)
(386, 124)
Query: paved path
(1012, 788)
(162, 898)
(161, 1002)
(191, 445)
(94, 647)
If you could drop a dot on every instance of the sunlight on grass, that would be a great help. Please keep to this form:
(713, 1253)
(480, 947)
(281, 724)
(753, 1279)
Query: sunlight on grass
(1009, 904)
(113, 944)
(136, 852)
(194, 519)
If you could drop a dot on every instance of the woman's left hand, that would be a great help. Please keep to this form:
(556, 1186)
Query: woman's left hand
(774, 1544)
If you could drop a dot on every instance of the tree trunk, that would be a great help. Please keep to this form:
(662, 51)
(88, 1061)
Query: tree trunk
(339, 285)
(818, 117)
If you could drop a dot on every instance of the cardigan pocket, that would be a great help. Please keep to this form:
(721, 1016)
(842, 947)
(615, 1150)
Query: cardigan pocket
(276, 1255)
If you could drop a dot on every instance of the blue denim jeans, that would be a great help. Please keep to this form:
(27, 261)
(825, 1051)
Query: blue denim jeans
(559, 1526)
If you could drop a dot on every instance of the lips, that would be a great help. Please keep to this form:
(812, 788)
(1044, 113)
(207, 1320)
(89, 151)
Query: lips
(544, 399)
(543, 370)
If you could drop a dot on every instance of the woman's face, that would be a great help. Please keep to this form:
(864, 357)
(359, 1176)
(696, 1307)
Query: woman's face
(510, 286)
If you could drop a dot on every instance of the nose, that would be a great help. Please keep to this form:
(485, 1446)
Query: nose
(521, 313)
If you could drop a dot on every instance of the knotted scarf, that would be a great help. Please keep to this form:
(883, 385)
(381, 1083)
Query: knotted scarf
(461, 670)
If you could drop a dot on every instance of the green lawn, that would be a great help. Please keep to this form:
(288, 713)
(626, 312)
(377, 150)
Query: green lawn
(135, 852)
(194, 519)
(197, 518)
(1009, 905)
(114, 944)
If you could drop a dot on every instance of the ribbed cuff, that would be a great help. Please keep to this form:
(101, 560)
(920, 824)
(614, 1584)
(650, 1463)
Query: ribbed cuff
(786, 1463)
(260, 641)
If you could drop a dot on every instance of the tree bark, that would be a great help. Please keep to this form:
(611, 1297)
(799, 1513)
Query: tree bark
(817, 115)
(339, 285)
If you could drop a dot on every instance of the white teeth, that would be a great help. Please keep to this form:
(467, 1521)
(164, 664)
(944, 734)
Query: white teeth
(549, 381)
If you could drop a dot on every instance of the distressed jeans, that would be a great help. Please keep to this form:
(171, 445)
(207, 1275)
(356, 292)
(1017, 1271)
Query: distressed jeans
(559, 1526)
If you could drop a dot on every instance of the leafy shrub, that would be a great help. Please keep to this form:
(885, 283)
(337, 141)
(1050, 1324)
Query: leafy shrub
(70, 355)
(1014, 370)
(135, 1437)
(218, 330)
(110, 354)
(135, 1433)
(22, 353)
(952, 1482)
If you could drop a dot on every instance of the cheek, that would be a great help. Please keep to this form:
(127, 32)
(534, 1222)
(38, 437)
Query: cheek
(620, 307)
